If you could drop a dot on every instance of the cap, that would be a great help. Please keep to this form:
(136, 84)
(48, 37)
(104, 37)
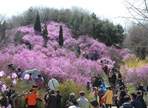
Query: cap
(72, 95)
(101, 86)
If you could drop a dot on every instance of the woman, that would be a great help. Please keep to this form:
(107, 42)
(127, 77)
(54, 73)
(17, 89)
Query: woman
(109, 96)
(122, 94)
(51, 100)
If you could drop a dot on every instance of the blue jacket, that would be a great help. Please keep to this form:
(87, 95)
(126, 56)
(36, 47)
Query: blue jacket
(136, 103)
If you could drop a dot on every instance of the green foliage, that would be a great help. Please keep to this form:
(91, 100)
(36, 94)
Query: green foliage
(37, 25)
(18, 38)
(61, 36)
(80, 21)
(70, 87)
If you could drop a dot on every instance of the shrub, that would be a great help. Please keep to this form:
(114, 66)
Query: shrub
(71, 87)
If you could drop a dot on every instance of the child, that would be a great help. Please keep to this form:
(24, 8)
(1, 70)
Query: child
(95, 92)
(102, 102)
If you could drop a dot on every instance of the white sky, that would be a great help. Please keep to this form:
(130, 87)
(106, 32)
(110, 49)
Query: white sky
(110, 9)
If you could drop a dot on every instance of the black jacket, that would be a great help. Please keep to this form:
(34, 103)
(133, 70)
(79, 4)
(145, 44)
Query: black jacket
(59, 101)
(51, 101)
(142, 101)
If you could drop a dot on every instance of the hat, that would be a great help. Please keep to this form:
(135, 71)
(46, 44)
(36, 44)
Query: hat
(101, 86)
(72, 95)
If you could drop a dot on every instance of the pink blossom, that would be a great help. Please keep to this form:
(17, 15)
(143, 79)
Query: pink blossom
(0, 82)
(8, 77)
(3, 88)
(14, 82)
(14, 75)
(27, 76)
(9, 106)
(1, 73)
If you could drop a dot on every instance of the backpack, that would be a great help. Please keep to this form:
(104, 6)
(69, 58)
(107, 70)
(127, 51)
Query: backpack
(31, 78)
(39, 83)
(101, 93)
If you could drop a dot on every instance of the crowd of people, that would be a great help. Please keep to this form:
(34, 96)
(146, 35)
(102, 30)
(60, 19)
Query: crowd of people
(117, 90)
(103, 95)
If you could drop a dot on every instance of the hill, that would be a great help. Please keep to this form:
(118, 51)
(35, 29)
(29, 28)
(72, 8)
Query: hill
(53, 60)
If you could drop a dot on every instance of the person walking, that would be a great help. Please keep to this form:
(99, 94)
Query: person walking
(101, 92)
(47, 94)
(121, 96)
(135, 102)
(57, 92)
(11, 95)
(51, 100)
(126, 103)
(39, 81)
(82, 101)
(139, 97)
(53, 83)
(141, 89)
(69, 101)
(32, 97)
(109, 96)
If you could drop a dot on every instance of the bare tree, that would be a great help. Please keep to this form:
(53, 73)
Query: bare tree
(137, 40)
(138, 10)
(4, 34)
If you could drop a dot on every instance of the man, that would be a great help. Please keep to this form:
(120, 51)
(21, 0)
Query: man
(47, 94)
(32, 97)
(11, 95)
(135, 103)
(57, 92)
(53, 83)
(139, 97)
(82, 101)
(126, 103)
(141, 89)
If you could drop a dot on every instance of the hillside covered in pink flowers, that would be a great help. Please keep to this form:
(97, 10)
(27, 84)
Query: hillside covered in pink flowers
(53, 60)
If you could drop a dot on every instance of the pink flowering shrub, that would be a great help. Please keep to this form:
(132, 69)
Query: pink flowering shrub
(135, 76)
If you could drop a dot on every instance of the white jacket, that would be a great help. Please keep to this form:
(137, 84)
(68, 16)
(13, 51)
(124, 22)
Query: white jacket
(53, 83)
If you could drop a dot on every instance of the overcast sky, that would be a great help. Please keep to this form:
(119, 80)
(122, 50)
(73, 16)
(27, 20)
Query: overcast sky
(110, 9)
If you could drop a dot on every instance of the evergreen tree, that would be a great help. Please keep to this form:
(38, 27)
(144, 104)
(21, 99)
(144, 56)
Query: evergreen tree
(61, 36)
(37, 25)
(45, 33)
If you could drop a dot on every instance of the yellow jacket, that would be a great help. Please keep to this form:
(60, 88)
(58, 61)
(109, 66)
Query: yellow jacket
(109, 95)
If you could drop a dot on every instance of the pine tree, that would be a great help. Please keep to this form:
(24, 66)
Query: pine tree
(37, 25)
(45, 33)
(61, 36)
